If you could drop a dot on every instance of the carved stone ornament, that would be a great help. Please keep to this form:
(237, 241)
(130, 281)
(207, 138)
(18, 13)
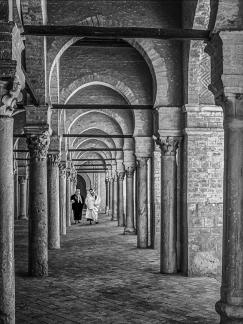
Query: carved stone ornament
(38, 145)
(168, 145)
(142, 162)
(62, 168)
(53, 159)
(115, 176)
(10, 98)
(130, 171)
(121, 176)
(68, 173)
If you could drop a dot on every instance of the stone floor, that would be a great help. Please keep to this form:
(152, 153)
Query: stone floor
(98, 276)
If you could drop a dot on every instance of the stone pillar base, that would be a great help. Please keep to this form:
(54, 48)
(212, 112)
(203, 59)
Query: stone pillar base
(22, 217)
(229, 314)
(129, 231)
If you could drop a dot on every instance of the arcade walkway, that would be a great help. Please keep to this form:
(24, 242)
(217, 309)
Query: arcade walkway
(98, 276)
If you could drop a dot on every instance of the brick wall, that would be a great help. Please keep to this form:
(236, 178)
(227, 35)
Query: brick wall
(203, 190)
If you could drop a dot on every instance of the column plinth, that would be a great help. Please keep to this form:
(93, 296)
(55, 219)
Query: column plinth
(121, 220)
(168, 253)
(38, 231)
(53, 201)
(62, 198)
(230, 307)
(22, 197)
(142, 210)
(115, 199)
(129, 229)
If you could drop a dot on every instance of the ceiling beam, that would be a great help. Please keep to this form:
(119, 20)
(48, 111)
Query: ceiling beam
(106, 159)
(95, 149)
(97, 136)
(95, 107)
(116, 32)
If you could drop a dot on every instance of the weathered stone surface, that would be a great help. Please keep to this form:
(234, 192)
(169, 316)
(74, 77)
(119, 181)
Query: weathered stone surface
(129, 229)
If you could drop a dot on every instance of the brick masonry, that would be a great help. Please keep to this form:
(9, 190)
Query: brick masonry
(203, 190)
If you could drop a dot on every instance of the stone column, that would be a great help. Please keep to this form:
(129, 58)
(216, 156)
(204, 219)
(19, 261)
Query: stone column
(53, 201)
(129, 229)
(62, 198)
(7, 279)
(230, 307)
(111, 198)
(115, 198)
(16, 193)
(107, 189)
(142, 208)
(38, 231)
(121, 200)
(68, 200)
(22, 197)
(168, 256)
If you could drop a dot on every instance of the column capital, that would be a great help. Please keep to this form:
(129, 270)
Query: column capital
(38, 144)
(121, 176)
(68, 173)
(62, 168)
(130, 171)
(233, 110)
(53, 159)
(115, 177)
(22, 179)
(168, 144)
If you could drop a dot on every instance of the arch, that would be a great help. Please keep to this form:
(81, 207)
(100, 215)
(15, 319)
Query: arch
(97, 79)
(146, 48)
(83, 183)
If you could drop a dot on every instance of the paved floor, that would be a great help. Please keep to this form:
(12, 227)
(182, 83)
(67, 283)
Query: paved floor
(98, 276)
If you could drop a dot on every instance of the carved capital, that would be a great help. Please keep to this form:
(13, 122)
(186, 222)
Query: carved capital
(121, 176)
(142, 162)
(130, 171)
(22, 179)
(168, 145)
(38, 145)
(115, 177)
(10, 94)
(68, 174)
(62, 168)
(53, 159)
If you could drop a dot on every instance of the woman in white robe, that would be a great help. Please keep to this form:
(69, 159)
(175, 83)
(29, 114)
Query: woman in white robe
(92, 202)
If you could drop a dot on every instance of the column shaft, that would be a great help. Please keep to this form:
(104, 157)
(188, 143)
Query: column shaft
(129, 229)
(53, 202)
(121, 200)
(111, 199)
(168, 256)
(142, 208)
(62, 200)
(22, 197)
(107, 189)
(38, 230)
(115, 199)
(16, 195)
(230, 307)
(68, 201)
(7, 278)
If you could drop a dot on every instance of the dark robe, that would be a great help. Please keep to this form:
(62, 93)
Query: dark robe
(77, 207)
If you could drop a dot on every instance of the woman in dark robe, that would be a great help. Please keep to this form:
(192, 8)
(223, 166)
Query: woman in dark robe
(77, 206)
